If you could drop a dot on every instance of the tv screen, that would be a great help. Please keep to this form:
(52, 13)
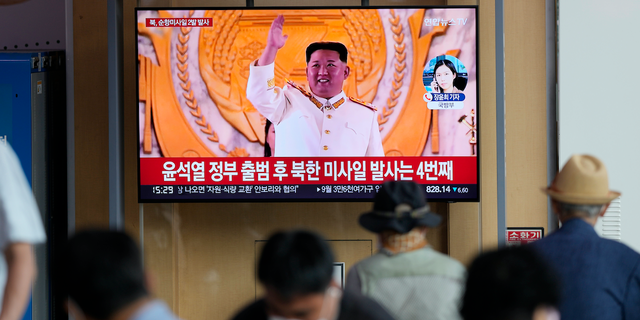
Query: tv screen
(312, 104)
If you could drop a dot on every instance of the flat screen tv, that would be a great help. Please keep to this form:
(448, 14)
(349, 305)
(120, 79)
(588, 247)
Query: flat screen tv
(306, 104)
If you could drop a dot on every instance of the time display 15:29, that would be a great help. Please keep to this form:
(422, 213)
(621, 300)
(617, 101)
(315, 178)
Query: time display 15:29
(163, 189)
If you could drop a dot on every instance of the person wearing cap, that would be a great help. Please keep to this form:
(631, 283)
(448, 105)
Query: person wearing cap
(323, 122)
(600, 278)
(407, 277)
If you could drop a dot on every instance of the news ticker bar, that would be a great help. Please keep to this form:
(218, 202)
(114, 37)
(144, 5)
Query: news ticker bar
(293, 192)
(312, 171)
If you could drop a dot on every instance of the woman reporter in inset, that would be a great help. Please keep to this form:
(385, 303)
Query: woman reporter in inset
(269, 139)
(445, 78)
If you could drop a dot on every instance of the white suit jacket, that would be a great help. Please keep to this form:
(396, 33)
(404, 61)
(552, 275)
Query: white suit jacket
(307, 125)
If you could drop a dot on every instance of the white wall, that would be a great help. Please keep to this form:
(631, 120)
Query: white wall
(598, 105)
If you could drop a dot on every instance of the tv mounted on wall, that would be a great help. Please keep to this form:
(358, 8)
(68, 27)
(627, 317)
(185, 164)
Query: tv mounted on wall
(383, 94)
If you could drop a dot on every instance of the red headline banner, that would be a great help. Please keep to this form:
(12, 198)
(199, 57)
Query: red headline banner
(179, 22)
(302, 170)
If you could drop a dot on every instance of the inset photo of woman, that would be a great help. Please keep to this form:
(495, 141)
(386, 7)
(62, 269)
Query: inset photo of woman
(445, 74)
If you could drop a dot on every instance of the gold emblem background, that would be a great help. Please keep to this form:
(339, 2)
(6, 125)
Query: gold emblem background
(237, 38)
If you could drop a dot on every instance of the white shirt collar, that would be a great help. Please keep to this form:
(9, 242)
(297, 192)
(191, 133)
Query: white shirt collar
(334, 101)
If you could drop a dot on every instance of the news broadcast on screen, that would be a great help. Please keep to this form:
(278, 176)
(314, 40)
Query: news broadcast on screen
(311, 104)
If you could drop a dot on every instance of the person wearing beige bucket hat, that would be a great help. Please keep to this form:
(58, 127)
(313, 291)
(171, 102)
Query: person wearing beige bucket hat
(409, 278)
(583, 180)
(600, 278)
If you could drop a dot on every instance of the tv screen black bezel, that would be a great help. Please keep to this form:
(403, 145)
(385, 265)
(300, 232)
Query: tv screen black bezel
(275, 8)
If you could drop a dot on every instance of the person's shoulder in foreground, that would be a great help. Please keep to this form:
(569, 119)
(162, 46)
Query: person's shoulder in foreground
(352, 307)
(106, 279)
(254, 311)
(20, 228)
(359, 307)
(19, 215)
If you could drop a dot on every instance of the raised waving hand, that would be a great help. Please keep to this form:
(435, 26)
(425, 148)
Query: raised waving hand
(275, 41)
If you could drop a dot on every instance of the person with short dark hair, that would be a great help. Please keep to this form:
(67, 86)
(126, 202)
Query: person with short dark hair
(407, 277)
(106, 279)
(296, 270)
(323, 122)
(600, 277)
(513, 283)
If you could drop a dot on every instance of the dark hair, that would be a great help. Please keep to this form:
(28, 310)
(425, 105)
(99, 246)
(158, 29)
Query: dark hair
(267, 147)
(296, 262)
(333, 46)
(508, 284)
(449, 65)
(104, 272)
